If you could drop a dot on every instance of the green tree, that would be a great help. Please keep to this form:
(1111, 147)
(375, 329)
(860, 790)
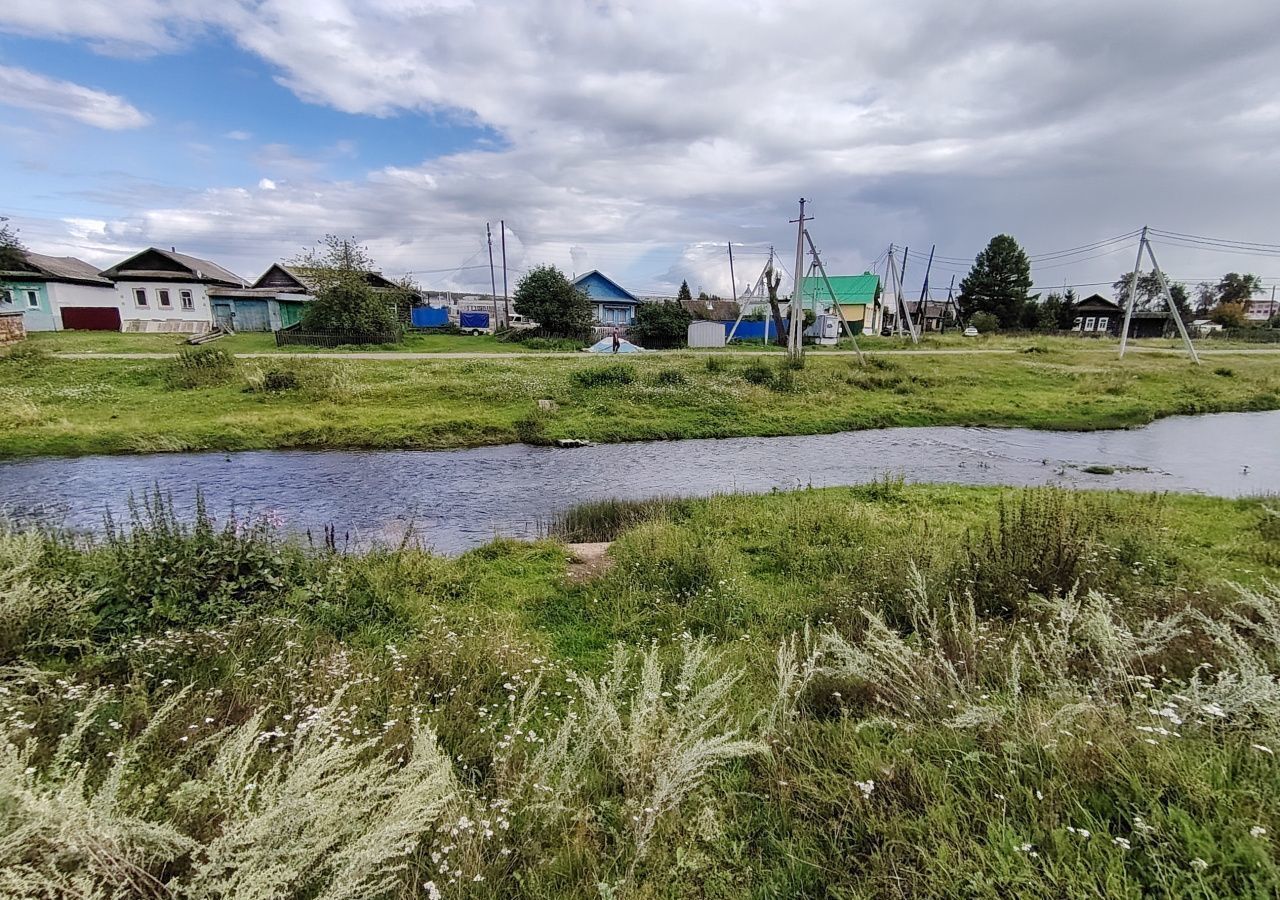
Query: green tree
(1229, 315)
(660, 325)
(1067, 315)
(684, 295)
(547, 297)
(337, 271)
(998, 283)
(1237, 288)
(1150, 295)
(1050, 317)
(11, 249)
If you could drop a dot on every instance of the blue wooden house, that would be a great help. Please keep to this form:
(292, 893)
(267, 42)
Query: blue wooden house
(614, 304)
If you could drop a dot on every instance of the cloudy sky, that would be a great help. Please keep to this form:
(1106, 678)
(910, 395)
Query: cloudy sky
(639, 137)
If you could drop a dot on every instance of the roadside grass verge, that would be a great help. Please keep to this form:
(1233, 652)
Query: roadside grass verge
(69, 407)
(886, 690)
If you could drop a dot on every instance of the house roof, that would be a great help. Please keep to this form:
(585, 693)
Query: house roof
(199, 269)
(1099, 302)
(303, 283)
(850, 290)
(58, 268)
(584, 282)
(711, 309)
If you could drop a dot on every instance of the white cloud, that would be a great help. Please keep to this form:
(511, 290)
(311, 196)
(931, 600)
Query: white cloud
(49, 96)
(238, 135)
(639, 136)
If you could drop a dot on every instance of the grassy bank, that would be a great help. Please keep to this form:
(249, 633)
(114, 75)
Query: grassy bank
(884, 691)
(60, 406)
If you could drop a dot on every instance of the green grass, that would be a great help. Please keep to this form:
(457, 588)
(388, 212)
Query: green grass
(841, 692)
(61, 406)
(257, 342)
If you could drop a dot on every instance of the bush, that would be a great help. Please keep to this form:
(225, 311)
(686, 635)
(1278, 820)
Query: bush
(985, 322)
(758, 372)
(199, 367)
(670, 377)
(664, 324)
(716, 364)
(279, 380)
(604, 376)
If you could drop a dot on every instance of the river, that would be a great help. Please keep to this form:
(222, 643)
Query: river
(457, 499)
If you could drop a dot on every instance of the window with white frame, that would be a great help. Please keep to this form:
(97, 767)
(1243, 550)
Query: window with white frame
(1088, 323)
(140, 296)
(1077, 323)
(185, 298)
(1102, 322)
(163, 297)
(33, 300)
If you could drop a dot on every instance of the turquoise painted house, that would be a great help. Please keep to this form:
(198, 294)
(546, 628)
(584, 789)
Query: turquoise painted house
(614, 304)
(57, 292)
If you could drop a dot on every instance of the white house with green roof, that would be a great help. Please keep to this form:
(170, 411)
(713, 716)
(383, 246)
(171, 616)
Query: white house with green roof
(857, 295)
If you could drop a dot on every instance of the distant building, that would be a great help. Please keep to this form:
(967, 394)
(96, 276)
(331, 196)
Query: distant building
(1262, 310)
(614, 305)
(166, 291)
(1096, 315)
(858, 296)
(710, 308)
(57, 292)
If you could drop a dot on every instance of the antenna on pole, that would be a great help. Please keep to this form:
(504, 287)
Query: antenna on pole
(1145, 244)
(506, 307)
(795, 328)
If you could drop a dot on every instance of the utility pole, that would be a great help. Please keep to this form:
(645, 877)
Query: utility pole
(732, 280)
(900, 311)
(795, 348)
(1144, 244)
(493, 284)
(921, 307)
(835, 301)
(506, 307)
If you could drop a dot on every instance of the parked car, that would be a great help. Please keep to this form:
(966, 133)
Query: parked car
(971, 332)
(519, 321)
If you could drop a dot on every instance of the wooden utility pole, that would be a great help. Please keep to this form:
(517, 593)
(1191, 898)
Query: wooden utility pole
(506, 306)
(733, 282)
(922, 307)
(795, 339)
(1144, 244)
(493, 284)
(835, 301)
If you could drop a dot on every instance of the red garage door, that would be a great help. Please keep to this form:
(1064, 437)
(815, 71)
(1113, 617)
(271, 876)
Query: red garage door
(91, 318)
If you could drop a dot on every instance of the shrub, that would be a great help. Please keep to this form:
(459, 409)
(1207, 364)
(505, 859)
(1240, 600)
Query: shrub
(664, 324)
(604, 376)
(198, 367)
(716, 364)
(606, 520)
(1224, 372)
(670, 377)
(985, 322)
(758, 372)
(280, 380)
(161, 571)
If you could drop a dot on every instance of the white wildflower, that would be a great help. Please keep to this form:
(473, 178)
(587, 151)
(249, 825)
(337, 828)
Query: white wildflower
(1257, 831)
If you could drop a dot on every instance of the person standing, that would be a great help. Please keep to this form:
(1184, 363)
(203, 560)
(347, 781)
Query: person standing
(617, 341)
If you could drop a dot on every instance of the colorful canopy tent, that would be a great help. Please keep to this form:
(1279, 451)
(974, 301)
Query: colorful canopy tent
(605, 345)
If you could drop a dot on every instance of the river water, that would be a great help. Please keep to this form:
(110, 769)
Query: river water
(458, 499)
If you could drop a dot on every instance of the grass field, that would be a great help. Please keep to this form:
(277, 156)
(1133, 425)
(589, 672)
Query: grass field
(874, 692)
(51, 405)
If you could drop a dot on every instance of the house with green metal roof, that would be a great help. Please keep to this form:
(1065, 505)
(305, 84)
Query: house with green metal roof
(857, 295)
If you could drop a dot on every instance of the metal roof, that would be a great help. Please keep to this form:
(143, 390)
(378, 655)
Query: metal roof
(59, 268)
(202, 269)
(849, 289)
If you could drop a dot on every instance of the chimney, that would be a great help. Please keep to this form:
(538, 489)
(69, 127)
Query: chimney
(173, 249)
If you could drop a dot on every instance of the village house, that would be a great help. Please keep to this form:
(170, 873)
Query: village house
(167, 291)
(57, 292)
(858, 297)
(1096, 315)
(614, 305)
(279, 296)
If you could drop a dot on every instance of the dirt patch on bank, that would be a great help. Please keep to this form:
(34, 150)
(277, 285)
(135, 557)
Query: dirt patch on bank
(588, 561)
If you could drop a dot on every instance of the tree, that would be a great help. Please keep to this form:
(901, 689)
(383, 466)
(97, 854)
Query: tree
(11, 249)
(1237, 288)
(547, 297)
(773, 278)
(1229, 315)
(1150, 294)
(685, 295)
(999, 282)
(1206, 297)
(337, 272)
(664, 324)
(1050, 317)
(1067, 315)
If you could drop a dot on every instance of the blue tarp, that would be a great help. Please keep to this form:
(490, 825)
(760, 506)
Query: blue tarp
(752, 330)
(605, 345)
(429, 316)
(473, 320)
